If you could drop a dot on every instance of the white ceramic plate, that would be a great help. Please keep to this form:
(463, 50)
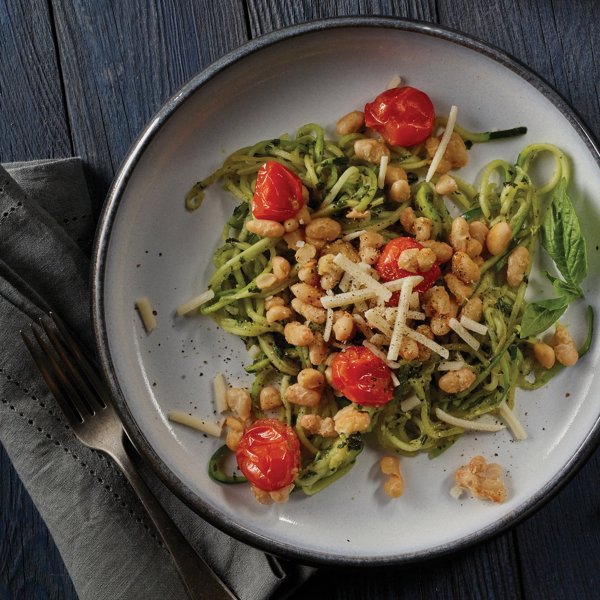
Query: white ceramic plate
(148, 245)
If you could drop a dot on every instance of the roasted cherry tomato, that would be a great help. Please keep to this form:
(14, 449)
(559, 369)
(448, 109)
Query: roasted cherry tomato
(388, 269)
(362, 377)
(278, 193)
(404, 116)
(269, 454)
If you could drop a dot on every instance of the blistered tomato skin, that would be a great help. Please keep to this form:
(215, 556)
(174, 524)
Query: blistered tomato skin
(388, 269)
(278, 193)
(362, 377)
(269, 454)
(404, 116)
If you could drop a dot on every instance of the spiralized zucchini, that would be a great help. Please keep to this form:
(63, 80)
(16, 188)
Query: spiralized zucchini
(338, 184)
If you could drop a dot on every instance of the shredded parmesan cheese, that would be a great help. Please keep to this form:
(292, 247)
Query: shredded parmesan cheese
(220, 388)
(356, 296)
(425, 341)
(195, 302)
(146, 314)
(473, 325)
(328, 325)
(344, 283)
(379, 339)
(439, 154)
(464, 334)
(215, 429)
(361, 277)
(456, 491)
(396, 284)
(395, 81)
(395, 380)
(345, 298)
(379, 322)
(511, 420)
(400, 323)
(355, 234)
(451, 365)
(362, 325)
(385, 159)
(473, 425)
(415, 315)
(409, 403)
(377, 352)
(254, 351)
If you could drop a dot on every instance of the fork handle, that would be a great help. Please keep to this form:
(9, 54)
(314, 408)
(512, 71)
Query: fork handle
(200, 580)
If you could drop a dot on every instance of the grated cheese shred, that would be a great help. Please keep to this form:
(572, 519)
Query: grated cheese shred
(425, 341)
(395, 81)
(439, 154)
(400, 322)
(472, 325)
(214, 429)
(146, 314)
(328, 325)
(195, 302)
(220, 388)
(409, 403)
(361, 277)
(473, 425)
(451, 365)
(383, 164)
(377, 352)
(511, 420)
(464, 334)
(379, 322)
(355, 234)
(362, 325)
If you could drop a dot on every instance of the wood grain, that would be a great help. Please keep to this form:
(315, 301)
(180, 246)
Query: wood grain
(266, 15)
(32, 111)
(122, 60)
(84, 76)
(30, 565)
(560, 545)
(487, 571)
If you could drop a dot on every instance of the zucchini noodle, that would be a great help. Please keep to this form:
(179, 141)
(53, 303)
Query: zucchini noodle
(344, 187)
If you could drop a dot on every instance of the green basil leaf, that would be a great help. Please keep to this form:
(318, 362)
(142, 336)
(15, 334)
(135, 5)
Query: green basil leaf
(566, 290)
(538, 316)
(562, 239)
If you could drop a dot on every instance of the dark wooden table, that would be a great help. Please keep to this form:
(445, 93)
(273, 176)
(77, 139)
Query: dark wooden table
(81, 77)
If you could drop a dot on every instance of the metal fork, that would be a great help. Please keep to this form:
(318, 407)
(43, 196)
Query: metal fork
(86, 403)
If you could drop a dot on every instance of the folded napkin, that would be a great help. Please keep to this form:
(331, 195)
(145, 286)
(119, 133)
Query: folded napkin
(107, 542)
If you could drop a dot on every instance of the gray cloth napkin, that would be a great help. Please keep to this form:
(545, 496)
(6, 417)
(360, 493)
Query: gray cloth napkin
(109, 546)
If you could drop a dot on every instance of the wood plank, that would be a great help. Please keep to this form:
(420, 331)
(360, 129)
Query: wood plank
(31, 100)
(30, 565)
(122, 60)
(132, 80)
(560, 545)
(34, 125)
(547, 36)
(265, 15)
(488, 571)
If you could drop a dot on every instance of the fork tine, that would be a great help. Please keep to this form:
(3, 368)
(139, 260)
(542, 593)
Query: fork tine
(83, 387)
(41, 360)
(88, 368)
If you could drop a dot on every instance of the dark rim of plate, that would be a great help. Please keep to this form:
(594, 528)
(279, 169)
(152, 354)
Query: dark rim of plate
(109, 215)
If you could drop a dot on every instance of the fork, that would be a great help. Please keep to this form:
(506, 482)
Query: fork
(86, 403)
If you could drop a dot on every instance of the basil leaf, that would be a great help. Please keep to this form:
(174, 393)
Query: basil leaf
(538, 316)
(562, 239)
(566, 290)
